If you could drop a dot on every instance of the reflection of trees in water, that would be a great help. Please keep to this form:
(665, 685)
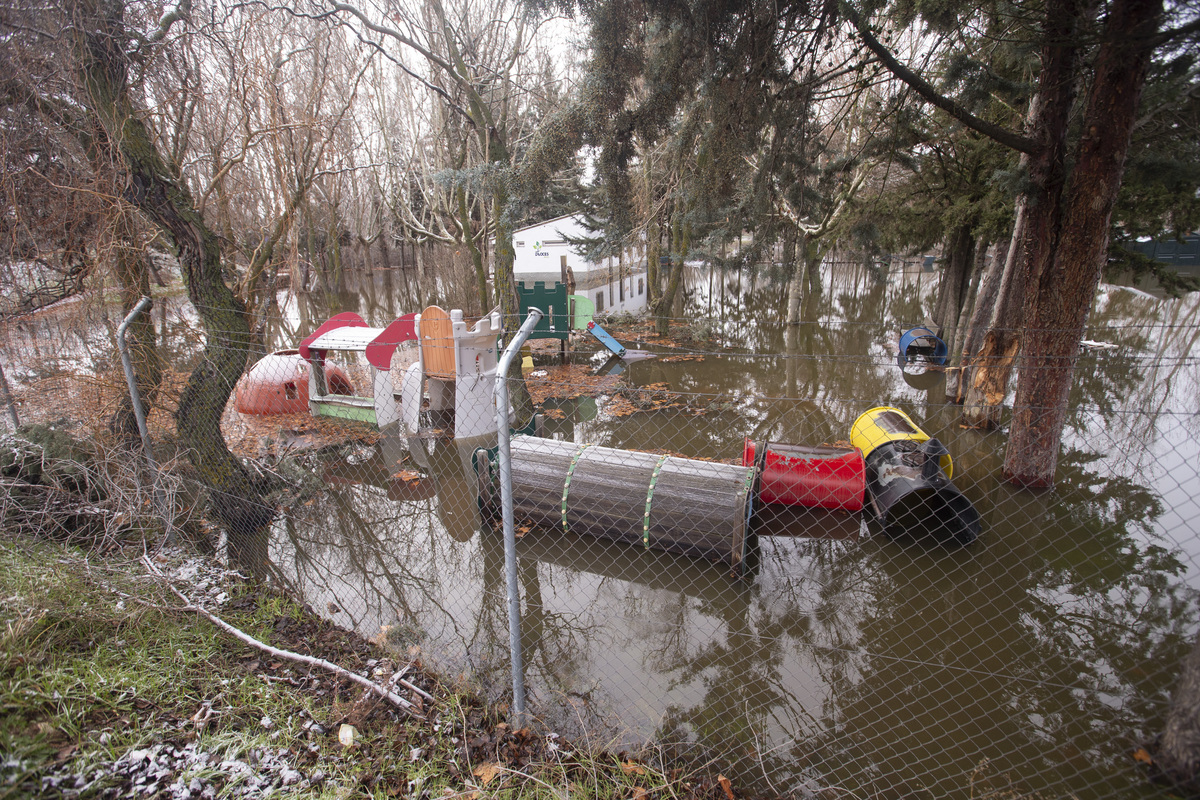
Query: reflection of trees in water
(1047, 647)
(1048, 650)
(378, 296)
(553, 643)
(1049, 655)
(823, 368)
(335, 546)
(383, 562)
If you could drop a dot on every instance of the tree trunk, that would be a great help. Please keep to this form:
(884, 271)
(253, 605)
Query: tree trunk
(653, 253)
(1179, 749)
(962, 328)
(956, 280)
(795, 292)
(1039, 210)
(481, 276)
(1063, 289)
(678, 251)
(102, 71)
(510, 304)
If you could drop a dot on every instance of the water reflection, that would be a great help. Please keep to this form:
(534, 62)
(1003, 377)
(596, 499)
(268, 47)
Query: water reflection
(1034, 660)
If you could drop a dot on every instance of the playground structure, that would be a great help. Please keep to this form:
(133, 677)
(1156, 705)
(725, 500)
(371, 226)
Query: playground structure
(564, 313)
(458, 363)
(348, 331)
(278, 384)
(922, 344)
(922, 356)
(662, 502)
(908, 479)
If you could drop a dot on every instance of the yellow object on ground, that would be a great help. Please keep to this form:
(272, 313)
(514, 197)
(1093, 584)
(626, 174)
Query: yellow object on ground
(884, 424)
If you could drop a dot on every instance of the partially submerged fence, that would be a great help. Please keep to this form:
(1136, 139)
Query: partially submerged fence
(699, 558)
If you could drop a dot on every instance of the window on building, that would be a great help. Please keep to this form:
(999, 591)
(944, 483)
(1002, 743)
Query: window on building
(621, 289)
(641, 287)
(599, 301)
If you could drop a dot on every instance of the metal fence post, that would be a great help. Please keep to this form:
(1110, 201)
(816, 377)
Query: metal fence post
(134, 395)
(504, 462)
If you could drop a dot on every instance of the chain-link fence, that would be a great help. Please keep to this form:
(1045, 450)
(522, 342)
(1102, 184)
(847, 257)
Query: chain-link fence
(771, 547)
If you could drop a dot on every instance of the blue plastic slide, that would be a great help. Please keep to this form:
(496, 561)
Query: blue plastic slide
(605, 339)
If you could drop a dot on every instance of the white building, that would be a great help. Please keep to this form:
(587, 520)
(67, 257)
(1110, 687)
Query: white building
(543, 254)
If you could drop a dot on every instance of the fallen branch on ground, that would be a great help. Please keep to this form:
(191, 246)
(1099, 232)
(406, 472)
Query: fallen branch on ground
(372, 687)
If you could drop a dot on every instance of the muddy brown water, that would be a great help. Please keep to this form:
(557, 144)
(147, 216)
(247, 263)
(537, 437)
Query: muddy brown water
(1032, 663)
(1035, 660)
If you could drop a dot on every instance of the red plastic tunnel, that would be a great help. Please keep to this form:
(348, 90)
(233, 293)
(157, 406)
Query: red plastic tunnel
(800, 475)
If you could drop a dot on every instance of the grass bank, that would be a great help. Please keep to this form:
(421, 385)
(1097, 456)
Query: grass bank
(112, 688)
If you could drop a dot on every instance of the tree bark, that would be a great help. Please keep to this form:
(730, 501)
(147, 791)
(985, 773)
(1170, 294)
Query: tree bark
(1179, 749)
(468, 235)
(678, 250)
(956, 280)
(1040, 210)
(962, 328)
(1064, 286)
(150, 185)
(653, 253)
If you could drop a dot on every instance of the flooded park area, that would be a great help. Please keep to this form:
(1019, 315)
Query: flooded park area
(1036, 661)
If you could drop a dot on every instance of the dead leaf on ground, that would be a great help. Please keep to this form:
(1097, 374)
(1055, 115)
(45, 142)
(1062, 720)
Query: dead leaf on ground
(630, 768)
(570, 380)
(1142, 756)
(639, 793)
(727, 786)
(487, 772)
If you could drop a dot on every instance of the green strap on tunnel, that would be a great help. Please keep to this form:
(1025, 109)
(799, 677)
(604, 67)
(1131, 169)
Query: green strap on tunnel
(650, 500)
(751, 474)
(567, 482)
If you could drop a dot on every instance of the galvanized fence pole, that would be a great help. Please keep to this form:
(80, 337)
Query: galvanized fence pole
(138, 411)
(504, 462)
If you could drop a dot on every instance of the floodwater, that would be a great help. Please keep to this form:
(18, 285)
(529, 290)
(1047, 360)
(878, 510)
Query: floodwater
(1035, 660)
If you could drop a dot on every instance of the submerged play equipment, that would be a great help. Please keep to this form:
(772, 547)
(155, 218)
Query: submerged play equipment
(653, 501)
(696, 508)
(562, 313)
(606, 339)
(278, 384)
(922, 344)
(456, 361)
(348, 331)
(801, 475)
(921, 358)
(908, 479)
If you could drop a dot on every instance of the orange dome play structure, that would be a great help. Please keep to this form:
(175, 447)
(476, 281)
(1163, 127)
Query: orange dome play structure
(278, 384)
